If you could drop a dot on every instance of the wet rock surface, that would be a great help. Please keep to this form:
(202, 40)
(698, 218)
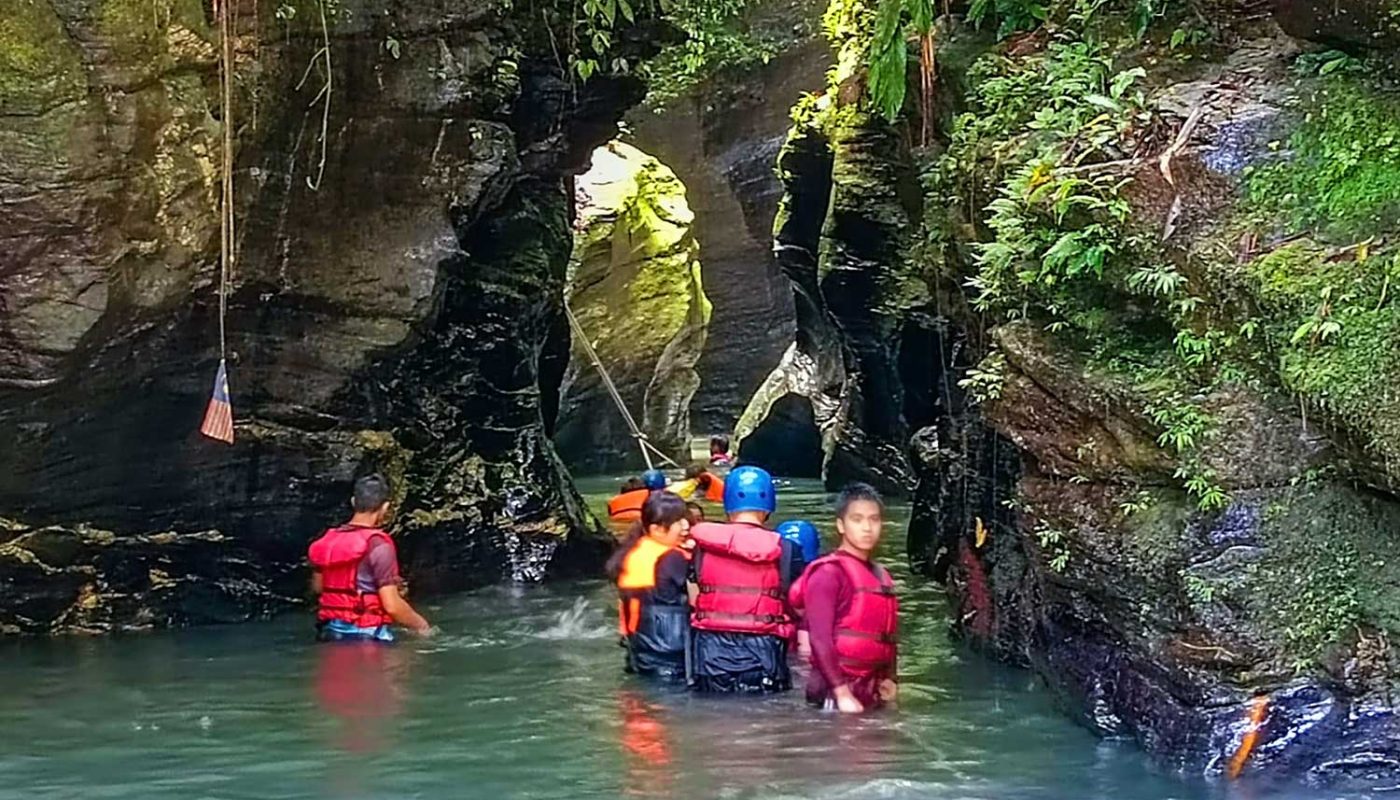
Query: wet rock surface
(1251, 639)
(722, 142)
(846, 213)
(377, 319)
(635, 288)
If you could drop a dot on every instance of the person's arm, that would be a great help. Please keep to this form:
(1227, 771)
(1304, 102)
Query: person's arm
(692, 586)
(822, 600)
(317, 584)
(385, 567)
(671, 570)
(400, 609)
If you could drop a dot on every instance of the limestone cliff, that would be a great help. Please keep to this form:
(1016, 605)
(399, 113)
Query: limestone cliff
(402, 250)
(1136, 343)
(722, 140)
(635, 289)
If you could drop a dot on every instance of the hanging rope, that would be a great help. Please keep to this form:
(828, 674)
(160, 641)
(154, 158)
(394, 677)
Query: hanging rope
(643, 443)
(226, 222)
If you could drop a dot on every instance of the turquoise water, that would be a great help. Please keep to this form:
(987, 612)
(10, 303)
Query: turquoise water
(523, 697)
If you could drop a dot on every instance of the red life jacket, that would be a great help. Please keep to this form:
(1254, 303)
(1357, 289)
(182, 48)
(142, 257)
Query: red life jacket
(865, 635)
(337, 555)
(740, 580)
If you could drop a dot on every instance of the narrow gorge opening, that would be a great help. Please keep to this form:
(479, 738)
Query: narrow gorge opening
(715, 147)
(636, 293)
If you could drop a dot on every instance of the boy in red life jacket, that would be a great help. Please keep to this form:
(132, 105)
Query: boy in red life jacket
(740, 625)
(851, 612)
(356, 573)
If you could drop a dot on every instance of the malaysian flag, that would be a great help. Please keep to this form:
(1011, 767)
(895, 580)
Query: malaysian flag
(218, 418)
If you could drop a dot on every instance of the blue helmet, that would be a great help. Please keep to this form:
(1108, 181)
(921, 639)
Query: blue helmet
(749, 489)
(804, 535)
(654, 479)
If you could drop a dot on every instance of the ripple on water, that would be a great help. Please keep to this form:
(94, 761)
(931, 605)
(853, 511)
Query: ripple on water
(523, 696)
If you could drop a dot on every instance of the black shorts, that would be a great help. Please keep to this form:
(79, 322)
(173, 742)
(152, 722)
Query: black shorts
(744, 663)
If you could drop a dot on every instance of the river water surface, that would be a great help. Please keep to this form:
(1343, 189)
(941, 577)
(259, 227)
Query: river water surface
(523, 696)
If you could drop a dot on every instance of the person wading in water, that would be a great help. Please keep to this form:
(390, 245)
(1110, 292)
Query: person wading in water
(807, 548)
(719, 452)
(848, 602)
(650, 570)
(626, 506)
(741, 625)
(357, 573)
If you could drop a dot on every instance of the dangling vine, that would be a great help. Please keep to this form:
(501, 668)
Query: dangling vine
(227, 15)
(321, 57)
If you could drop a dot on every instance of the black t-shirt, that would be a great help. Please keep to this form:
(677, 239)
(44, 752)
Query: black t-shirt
(671, 571)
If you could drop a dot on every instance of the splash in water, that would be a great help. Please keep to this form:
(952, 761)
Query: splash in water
(579, 622)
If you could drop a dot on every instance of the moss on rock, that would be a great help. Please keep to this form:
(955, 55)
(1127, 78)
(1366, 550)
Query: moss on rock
(636, 291)
(1339, 171)
(1333, 321)
(40, 67)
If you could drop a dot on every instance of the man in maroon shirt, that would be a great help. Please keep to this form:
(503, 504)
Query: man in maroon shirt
(357, 572)
(851, 613)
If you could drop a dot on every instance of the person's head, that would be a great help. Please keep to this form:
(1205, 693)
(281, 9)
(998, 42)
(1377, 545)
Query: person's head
(860, 517)
(804, 536)
(697, 473)
(370, 499)
(749, 494)
(654, 479)
(719, 445)
(665, 518)
(695, 513)
(632, 485)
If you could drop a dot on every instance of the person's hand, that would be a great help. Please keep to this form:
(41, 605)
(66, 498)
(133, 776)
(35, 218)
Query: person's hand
(427, 631)
(889, 690)
(846, 702)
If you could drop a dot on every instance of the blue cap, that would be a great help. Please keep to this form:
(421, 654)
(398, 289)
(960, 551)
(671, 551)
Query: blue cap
(749, 489)
(804, 535)
(654, 479)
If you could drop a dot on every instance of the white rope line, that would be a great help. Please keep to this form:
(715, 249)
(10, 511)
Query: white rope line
(643, 443)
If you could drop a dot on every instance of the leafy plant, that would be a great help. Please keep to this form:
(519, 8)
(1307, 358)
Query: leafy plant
(1012, 16)
(1052, 543)
(984, 381)
(1323, 603)
(1327, 62)
(1140, 501)
(1198, 589)
(1058, 222)
(896, 21)
(715, 38)
(1201, 484)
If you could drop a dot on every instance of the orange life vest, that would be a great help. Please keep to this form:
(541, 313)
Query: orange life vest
(337, 556)
(740, 580)
(635, 582)
(715, 491)
(866, 633)
(628, 505)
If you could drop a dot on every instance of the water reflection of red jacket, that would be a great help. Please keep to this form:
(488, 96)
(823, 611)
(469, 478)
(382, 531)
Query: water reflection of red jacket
(357, 684)
(646, 746)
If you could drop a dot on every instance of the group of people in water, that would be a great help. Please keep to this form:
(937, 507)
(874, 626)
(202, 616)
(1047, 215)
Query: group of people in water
(721, 605)
(716, 605)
